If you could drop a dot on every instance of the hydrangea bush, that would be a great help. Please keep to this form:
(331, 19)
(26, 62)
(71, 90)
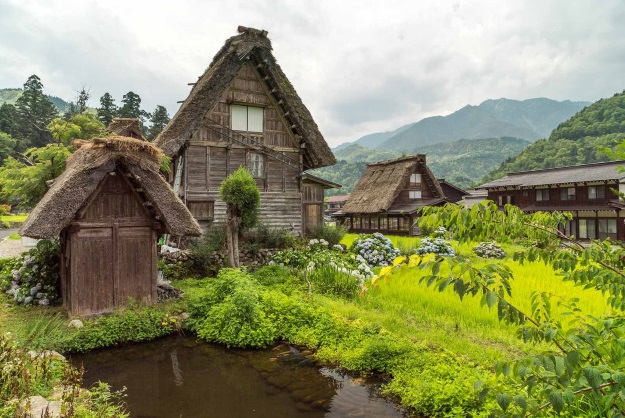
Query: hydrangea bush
(33, 278)
(375, 249)
(489, 250)
(438, 246)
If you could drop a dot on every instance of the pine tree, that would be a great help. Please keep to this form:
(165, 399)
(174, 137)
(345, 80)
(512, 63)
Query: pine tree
(160, 118)
(132, 107)
(34, 112)
(8, 119)
(107, 110)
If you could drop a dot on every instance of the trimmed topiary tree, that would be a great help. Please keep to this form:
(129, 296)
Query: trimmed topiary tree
(242, 198)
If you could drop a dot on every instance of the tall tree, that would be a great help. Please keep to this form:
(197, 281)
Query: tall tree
(131, 107)
(8, 119)
(160, 118)
(35, 111)
(107, 110)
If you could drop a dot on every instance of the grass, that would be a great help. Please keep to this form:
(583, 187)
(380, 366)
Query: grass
(13, 218)
(14, 236)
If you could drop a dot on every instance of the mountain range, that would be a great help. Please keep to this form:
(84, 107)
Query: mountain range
(530, 119)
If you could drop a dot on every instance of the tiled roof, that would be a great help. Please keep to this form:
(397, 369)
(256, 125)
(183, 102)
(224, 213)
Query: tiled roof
(563, 175)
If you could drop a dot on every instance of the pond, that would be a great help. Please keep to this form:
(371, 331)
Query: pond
(181, 377)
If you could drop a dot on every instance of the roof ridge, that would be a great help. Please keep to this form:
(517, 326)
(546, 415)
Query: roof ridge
(568, 167)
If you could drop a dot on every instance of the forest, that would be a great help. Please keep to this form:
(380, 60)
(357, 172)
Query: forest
(36, 136)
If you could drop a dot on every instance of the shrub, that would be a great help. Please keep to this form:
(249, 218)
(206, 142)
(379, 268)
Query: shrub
(375, 248)
(5, 210)
(332, 234)
(272, 275)
(437, 246)
(489, 250)
(264, 237)
(33, 278)
(202, 261)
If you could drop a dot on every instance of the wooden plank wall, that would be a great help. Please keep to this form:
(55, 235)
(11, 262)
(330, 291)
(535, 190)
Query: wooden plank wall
(211, 156)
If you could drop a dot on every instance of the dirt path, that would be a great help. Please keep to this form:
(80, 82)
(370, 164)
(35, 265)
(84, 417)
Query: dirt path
(11, 248)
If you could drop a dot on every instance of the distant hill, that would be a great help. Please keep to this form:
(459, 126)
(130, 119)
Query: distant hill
(462, 162)
(579, 140)
(528, 119)
(11, 96)
(372, 140)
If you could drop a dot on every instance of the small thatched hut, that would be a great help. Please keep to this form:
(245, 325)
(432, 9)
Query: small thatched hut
(389, 195)
(108, 207)
(130, 127)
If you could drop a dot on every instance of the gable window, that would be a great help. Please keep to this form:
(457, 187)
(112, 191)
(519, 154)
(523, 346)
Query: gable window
(256, 164)
(567, 193)
(542, 195)
(415, 178)
(414, 194)
(596, 192)
(246, 118)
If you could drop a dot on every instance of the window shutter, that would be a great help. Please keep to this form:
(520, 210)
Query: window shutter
(255, 119)
(238, 115)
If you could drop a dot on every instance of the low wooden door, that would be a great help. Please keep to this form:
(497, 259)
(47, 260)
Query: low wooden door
(112, 251)
(313, 217)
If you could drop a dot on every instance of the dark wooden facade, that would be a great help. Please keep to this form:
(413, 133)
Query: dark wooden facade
(109, 250)
(588, 192)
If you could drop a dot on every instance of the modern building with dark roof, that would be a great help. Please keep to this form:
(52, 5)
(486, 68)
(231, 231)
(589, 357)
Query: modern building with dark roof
(389, 195)
(588, 191)
(243, 111)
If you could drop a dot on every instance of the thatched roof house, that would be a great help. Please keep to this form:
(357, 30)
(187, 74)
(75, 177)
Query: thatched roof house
(243, 111)
(128, 127)
(389, 194)
(88, 167)
(250, 46)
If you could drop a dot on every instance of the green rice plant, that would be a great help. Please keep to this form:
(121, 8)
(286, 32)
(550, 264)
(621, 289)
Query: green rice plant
(329, 280)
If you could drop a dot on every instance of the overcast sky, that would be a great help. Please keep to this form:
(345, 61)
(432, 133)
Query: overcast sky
(359, 66)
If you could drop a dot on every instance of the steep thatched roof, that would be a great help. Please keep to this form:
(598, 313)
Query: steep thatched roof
(130, 127)
(86, 169)
(382, 182)
(251, 45)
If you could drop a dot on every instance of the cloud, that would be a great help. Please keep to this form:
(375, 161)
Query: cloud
(360, 66)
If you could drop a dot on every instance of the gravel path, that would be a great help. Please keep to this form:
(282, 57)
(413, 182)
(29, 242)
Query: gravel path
(11, 248)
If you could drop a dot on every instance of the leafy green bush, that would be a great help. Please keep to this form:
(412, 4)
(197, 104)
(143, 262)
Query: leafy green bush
(133, 324)
(202, 260)
(264, 237)
(272, 275)
(33, 278)
(332, 234)
(5, 210)
(489, 250)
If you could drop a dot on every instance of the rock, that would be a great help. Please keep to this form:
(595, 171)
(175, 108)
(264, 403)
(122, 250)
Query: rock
(46, 353)
(75, 323)
(36, 407)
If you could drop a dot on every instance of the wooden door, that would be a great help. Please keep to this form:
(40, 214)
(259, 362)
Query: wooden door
(92, 288)
(136, 249)
(313, 217)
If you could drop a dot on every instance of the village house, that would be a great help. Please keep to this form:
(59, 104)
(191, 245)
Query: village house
(128, 127)
(588, 191)
(389, 195)
(335, 204)
(243, 111)
(453, 194)
(108, 207)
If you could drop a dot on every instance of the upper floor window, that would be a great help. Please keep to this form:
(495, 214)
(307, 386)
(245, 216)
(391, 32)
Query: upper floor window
(246, 118)
(256, 164)
(567, 193)
(542, 195)
(415, 178)
(414, 194)
(596, 192)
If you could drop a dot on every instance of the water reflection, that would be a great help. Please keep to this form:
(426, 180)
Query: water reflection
(182, 377)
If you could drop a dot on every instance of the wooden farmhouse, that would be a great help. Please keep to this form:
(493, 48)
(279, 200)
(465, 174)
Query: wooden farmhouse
(389, 195)
(129, 127)
(586, 191)
(108, 208)
(243, 111)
